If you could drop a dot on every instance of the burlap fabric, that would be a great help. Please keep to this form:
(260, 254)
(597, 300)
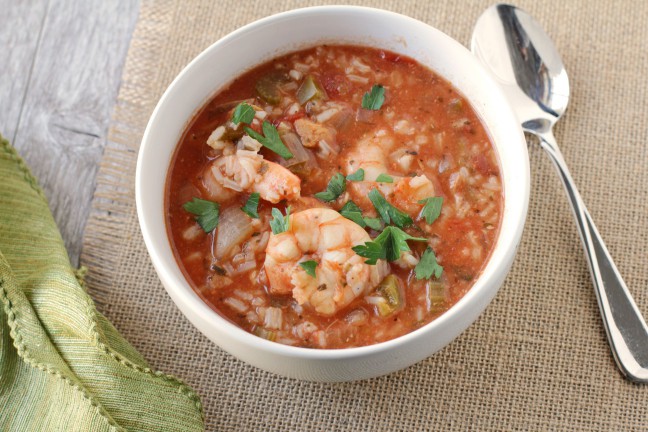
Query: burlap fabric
(536, 360)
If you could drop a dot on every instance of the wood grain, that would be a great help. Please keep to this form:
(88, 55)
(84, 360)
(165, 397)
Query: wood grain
(63, 65)
(20, 31)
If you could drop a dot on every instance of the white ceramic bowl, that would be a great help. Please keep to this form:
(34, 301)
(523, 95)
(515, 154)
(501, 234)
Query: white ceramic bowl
(260, 41)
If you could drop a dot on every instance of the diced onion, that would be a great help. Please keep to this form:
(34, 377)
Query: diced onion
(234, 228)
(273, 318)
(326, 115)
(302, 160)
(235, 304)
(357, 317)
(246, 266)
(364, 115)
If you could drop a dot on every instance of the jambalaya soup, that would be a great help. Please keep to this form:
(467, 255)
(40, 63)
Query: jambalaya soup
(335, 197)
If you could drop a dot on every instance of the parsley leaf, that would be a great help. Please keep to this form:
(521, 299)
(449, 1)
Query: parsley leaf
(388, 212)
(384, 178)
(206, 213)
(271, 140)
(388, 245)
(279, 222)
(371, 250)
(309, 267)
(350, 206)
(251, 207)
(373, 100)
(356, 176)
(352, 212)
(428, 266)
(243, 113)
(336, 187)
(432, 208)
(373, 223)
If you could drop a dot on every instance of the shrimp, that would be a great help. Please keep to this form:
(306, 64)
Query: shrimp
(312, 133)
(304, 203)
(408, 191)
(404, 193)
(247, 171)
(341, 275)
(369, 154)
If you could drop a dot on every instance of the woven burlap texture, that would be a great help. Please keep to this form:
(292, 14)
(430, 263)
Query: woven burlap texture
(537, 359)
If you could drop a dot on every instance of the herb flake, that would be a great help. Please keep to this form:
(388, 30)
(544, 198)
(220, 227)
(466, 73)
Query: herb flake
(279, 222)
(309, 267)
(352, 212)
(431, 208)
(373, 223)
(207, 213)
(271, 140)
(428, 266)
(336, 187)
(374, 99)
(251, 207)
(356, 176)
(384, 178)
(388, 245)
(388, 212)
(243, 113)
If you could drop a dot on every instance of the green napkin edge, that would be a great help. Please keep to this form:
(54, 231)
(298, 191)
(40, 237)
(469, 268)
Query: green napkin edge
(5, 295)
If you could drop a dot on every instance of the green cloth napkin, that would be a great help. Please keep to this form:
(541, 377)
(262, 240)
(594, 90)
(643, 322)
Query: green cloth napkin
(63, 366)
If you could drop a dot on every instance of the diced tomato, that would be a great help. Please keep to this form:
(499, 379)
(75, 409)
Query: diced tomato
(293, 117)
(483, 166)
(335, 84)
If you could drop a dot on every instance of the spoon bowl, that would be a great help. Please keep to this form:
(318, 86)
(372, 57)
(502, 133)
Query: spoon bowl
(526, 64)
(534, 79)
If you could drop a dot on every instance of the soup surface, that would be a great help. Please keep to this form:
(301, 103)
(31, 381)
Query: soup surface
(335, 197)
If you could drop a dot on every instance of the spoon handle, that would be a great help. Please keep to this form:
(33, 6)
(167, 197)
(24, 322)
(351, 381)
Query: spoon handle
(625, 327)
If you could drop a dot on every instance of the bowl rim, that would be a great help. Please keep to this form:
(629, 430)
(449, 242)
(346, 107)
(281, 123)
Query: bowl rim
(217, 322)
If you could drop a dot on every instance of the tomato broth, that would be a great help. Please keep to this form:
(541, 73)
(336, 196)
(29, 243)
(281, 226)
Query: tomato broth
(365, 155)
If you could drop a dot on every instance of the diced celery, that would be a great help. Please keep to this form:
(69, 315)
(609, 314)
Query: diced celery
(265, 334)
(309, 90)
(268, 87)
(455, 106)
(384, 309)
(232, 134)
(389, 289)
(436, 296)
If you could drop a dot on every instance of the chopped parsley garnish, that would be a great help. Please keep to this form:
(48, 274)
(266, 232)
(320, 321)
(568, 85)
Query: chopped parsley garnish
(336, 187)
(373, 100)
(356, 176)
(271, 140)
(373, 223)
(279, 222)
(388, 212)
(243, 113)
(388, 245)
(432, 208)
(384, 178)
(428, 266)
(206, 213)
(309, 267)
(251, 207)
(350, 207)
(352, 212)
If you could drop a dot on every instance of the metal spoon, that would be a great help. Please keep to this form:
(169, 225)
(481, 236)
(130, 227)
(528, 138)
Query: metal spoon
(524, 60)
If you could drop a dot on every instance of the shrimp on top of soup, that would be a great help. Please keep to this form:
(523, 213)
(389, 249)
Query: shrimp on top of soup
(334, 197)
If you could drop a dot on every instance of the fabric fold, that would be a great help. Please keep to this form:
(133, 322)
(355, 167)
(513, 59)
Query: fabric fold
(63, 366)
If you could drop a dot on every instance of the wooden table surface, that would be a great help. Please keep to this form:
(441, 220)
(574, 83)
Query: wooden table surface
(60, 72)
